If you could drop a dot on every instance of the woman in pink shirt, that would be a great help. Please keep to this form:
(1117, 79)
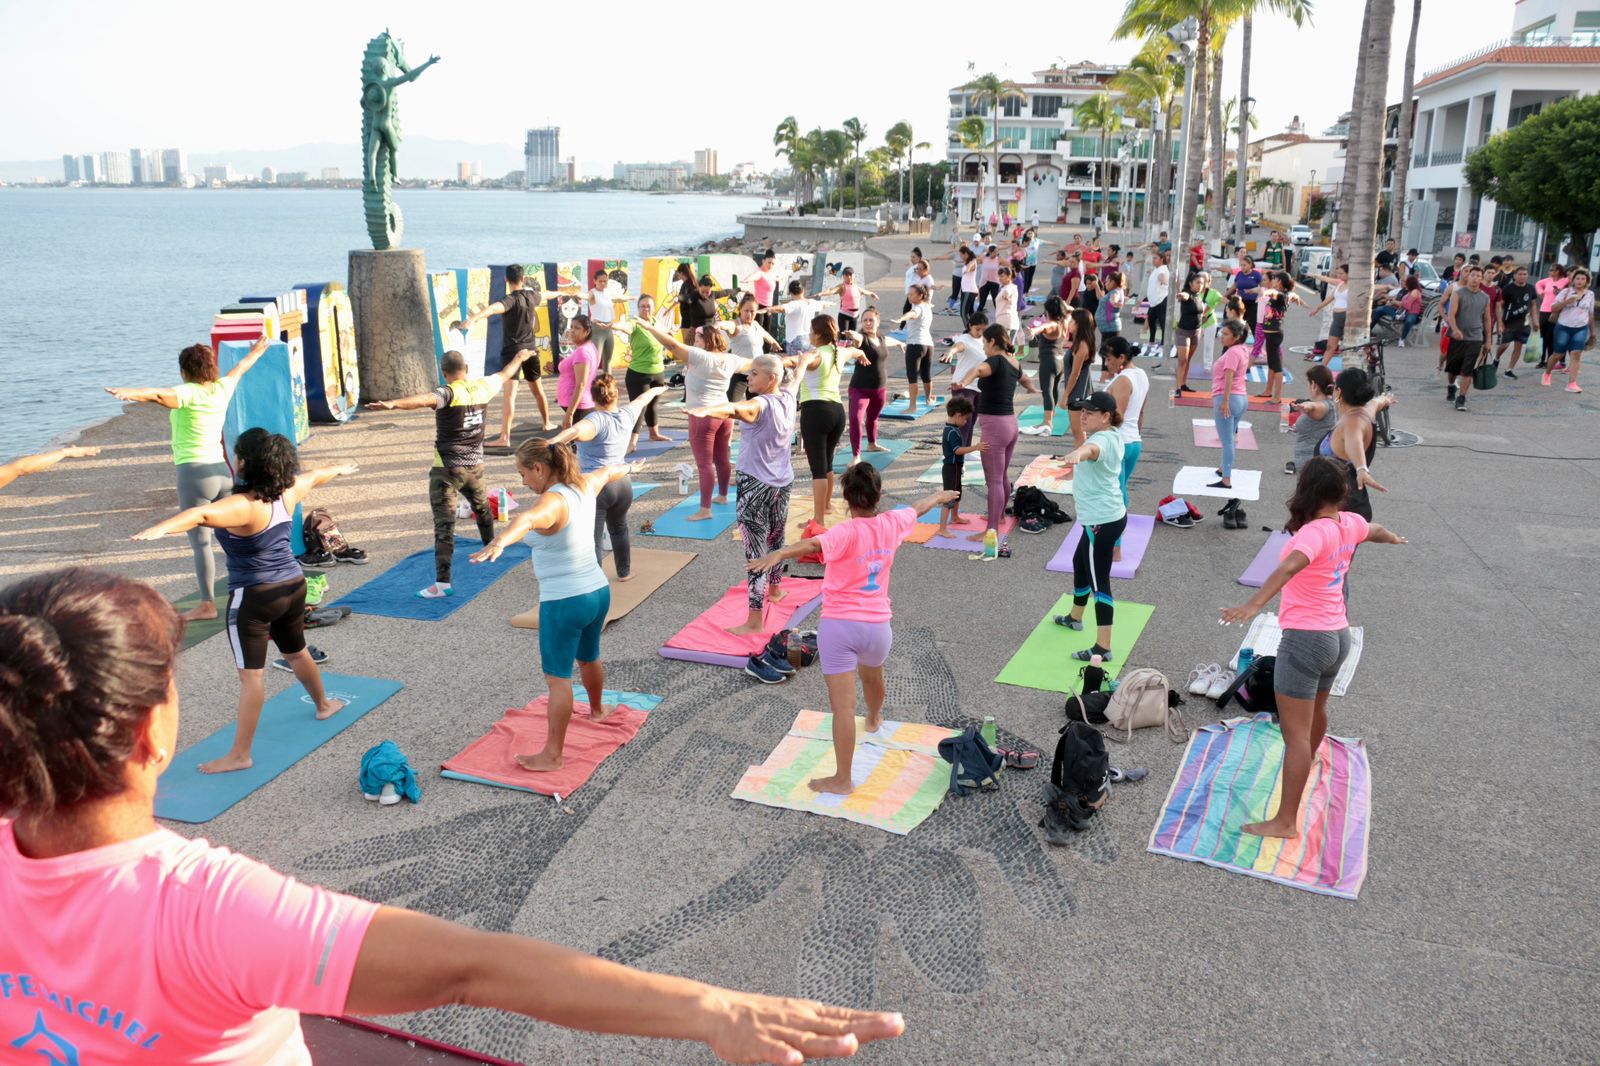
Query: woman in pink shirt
(1228, 399)
(854, 635)
(577, 370)
(850, 295)
(1548, 288)
(125, 942)
(1316, 632)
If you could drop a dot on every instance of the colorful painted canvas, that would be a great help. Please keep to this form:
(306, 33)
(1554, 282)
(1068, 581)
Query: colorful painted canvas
(332, 375)
(444, 308)
(472, 286)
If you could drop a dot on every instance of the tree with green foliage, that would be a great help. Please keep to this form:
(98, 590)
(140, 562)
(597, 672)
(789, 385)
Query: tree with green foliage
(1100, 113)
(989, 93)
(898, 141)
(857, 133)
(1545, 169)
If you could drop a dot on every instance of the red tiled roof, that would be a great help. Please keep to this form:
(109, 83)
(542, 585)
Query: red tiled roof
(1517, 53)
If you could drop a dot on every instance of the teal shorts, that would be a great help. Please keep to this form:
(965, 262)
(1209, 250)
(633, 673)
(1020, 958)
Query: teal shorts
(569, 630)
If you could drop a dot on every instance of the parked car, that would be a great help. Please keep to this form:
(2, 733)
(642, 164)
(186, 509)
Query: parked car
(1300, 234)
(1429, 277)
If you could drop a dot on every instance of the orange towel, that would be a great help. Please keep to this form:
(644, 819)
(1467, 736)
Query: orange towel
(522, 731)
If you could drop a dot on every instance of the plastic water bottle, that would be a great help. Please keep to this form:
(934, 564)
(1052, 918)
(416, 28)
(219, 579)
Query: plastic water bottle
(1283, 419)
(990, 732)
(1172, 400)
(991, 544)
(1246, 657)
(503, 505)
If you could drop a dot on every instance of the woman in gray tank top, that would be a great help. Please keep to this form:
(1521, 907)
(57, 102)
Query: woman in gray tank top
(1317, 416)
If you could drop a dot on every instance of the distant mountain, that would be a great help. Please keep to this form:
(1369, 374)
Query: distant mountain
(420, 157)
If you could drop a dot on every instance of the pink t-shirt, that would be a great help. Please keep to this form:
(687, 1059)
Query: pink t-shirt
(567, 375)
(1548, 289)
(166, 950)
(1314, 597)
(1236, 359)
(990, 269)
(856, 556)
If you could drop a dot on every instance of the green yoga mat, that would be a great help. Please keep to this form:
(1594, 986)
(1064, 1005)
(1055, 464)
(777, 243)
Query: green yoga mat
(1045, 659)
(195, 632)
(1034, 416)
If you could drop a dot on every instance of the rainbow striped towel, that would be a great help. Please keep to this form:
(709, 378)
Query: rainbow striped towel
(899, 777)
(1231, 775)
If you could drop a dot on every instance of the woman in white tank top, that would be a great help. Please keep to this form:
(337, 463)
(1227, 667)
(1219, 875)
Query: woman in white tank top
(1129, 386)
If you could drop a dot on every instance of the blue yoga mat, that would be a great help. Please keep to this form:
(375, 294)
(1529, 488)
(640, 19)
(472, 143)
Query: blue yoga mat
(877, 460)
(648, 448)
(642, 487)
(673, 524)
(901, 408)
(639, 701)
(289, 731)
(394, 593)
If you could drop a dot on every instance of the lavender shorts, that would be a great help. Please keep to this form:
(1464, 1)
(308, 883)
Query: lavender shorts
(845, 644)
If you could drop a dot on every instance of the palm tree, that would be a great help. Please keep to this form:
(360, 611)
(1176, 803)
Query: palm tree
(1402, 159)
(1235, 178)
(1219, 146)
(973, 132)
(1100, 113)
(1365, 159)
(786, 141)
(1152, 83)
(1300, 12)
(990, 92)
(912, 167)
(898, 140)
(836, 149)
(857, 133)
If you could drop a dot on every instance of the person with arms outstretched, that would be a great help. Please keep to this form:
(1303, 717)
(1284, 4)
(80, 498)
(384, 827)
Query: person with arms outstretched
(33, 464)
(520, 309)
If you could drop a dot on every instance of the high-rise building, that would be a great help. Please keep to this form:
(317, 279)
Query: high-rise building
(705, 161)
(174, 165)
(150, 167)
(463, 171)
(293, 177)
(135, 166)
(542, 155)
(330, 173)
(660, 176)
(69, 168)
(115, 169)
(221, 174)
(89, 168)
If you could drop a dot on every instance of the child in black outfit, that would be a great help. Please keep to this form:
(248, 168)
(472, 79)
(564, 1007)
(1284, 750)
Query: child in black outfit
(958, 412)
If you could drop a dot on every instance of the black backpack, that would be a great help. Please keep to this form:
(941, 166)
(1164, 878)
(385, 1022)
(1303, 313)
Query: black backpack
(1253, 688)
(1078, 782)
(1029, 501)
(973, 764)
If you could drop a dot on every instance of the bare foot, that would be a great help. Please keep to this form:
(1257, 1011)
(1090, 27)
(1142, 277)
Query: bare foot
(540, 763)
(942, 532)
(602, 712)
(200, 612)
(875, 447)
(1274, 828)
(978, 535)
(745, 630)
(699, 516)
(329, 708)
(855, 459)
(498, 442)
(874, 722)
(550, 427)
(226, 764)
(626, 577)
(659, 437)
(835, 784)
(720, 501)
(776, 594)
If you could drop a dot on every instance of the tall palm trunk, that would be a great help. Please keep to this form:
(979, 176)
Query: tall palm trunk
(1369, 100)
(1398, 197)
(1216, 222)
(1105, 180)
(1195, 132)
(858, 178)
(995, 158)
(1352, 134)
(1244, 129)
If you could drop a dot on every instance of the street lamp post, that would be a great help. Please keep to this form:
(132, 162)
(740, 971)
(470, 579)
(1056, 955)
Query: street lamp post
(1314, 190)
(1181, 35)
(1240, 167)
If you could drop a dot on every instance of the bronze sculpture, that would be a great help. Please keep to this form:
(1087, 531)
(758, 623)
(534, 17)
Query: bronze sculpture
(383, 69)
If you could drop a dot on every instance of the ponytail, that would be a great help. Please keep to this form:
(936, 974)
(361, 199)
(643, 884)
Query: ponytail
(559, 459)
(1000, 337)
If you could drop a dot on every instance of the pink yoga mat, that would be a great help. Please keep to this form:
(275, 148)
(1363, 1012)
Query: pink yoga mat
(522, 732)
(967, 524)
(1205, 436)
(707, 638)
(1266, 561)
(1135, 539)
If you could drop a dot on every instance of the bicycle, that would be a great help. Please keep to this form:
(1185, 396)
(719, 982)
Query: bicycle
(1377, 373)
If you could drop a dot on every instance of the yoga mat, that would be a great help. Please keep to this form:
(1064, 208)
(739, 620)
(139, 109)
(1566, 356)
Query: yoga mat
(674, 522)
(1266, 561)
(1196, 481)
(195, 632)
(971, 472)
(393, 593)
(288, 732)
(1232, 774)
(489, 760)
(1203, 399)
(877, 460)
(1047, 473)
(1258, 375)
(1135, 539)
(648, 447)
(898, 776)
(800, 514)
(1045, 659)
(967, 524)
(1034, 416)
(901, 408)
(1265, 634)
(652, 568)
(706, 639)
(1205, 435)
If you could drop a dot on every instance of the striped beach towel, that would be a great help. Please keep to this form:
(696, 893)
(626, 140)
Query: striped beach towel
(1232, 774)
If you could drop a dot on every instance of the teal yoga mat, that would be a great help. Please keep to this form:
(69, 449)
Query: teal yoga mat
(673, 523)
(289, 731)
(901, 409)
(1034, 416)
(877, 460)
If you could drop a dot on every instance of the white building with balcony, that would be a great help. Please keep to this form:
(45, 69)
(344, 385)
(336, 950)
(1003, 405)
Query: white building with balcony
(1553, 52)
(1048, 166)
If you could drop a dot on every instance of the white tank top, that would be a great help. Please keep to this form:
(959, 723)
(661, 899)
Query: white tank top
(745, 342)
(1139, 382)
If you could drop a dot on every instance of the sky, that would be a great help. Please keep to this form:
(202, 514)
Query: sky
(654, 82)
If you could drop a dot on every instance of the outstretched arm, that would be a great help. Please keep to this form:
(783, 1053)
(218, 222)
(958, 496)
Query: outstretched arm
(496, 308)
(598, 479)
(641, 401)
(420, 401)
(582, 430)
(412, 74)
(164, 397)
(1238, 616)
(226, 513)
(547, 512)
(667, 340)
(507, 372)
(1377, 534)
(315, 479)
(32, 464)
(744, 411)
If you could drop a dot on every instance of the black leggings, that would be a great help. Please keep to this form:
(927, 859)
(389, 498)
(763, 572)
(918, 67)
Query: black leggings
(638, 384)
(989, 290)
(1273, 339)
(1157, 321)
(257, 613)
(1091, 568)
(821, 426)
(1051, 375)
(919, 363)
(846, 321)
(611, 515)
(1027, 277)
(969, 306)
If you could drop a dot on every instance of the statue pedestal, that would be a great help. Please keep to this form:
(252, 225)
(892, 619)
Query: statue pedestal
(394, 328)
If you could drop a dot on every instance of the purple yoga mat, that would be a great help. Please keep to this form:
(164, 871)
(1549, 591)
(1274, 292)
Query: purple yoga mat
(968, 525)
(1135, 539)
(732, 662)
(1266, 561)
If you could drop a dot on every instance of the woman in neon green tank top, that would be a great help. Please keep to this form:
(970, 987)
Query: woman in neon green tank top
(197, 409)
(647, 367)
(822, 417)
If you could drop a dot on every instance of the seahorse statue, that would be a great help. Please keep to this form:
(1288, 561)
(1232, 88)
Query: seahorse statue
(383, 69)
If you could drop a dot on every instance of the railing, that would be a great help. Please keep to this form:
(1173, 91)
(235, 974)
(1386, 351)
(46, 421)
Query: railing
(1582, 40)
(1442, 159)
(1420, 159)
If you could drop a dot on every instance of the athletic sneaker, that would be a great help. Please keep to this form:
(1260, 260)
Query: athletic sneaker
(1449, 392)
(1033, 525)
(1288, 468)
(1512, 374)
(776, 654)
(326, 561)
(318, 656)
(1546, 381)
(1573, 387)
(1461, 403)
(763, 671)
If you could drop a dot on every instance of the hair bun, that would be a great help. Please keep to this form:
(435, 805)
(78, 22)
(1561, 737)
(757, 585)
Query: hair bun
(33, 662)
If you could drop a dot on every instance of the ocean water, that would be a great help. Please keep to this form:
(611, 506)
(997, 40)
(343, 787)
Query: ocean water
(105, 286)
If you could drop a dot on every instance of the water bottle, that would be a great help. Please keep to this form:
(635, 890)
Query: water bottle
(991, 544)
(1246, 657)
(1172, 400)
(1283, 418)
(990, 732)
(503, 505)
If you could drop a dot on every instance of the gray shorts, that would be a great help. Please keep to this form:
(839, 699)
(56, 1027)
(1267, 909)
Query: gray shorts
(1336, 327)
(1308, 660)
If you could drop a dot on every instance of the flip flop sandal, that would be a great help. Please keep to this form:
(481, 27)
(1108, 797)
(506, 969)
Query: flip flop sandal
(352, 555)
(1021, 760)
